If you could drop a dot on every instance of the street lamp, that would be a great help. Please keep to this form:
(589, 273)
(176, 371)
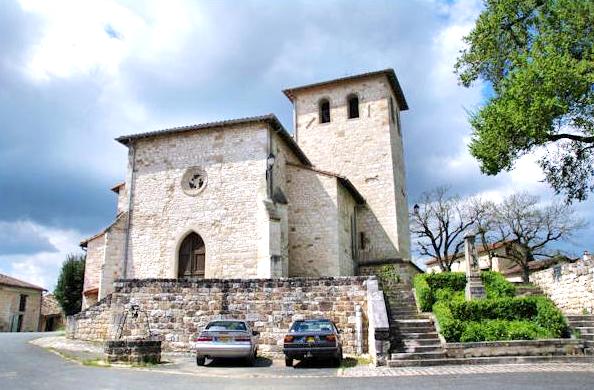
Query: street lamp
(416, 209)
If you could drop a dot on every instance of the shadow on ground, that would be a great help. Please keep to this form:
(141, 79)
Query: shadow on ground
(260, 362)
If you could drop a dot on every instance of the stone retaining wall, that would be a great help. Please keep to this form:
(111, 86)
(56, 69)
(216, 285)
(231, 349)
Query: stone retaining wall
(515, 348)
(178, 309)
(570, 285)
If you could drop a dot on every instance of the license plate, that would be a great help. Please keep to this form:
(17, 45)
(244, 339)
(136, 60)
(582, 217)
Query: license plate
(224, 339)
(310, 339)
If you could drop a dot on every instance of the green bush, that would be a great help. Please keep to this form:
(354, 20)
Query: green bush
(423, 292)
(494, 309)
(525, 318)
(427, 287)
(496, 330)
(497, 286)
(453, 280)
(450, 328)
(550, 318)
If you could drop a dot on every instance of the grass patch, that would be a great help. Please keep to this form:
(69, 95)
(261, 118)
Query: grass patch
(354, 361)
(95, 363)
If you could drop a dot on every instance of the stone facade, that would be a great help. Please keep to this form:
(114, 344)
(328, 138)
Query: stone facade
(103, 261)
(246, 192)
(13, 313)
(178, 309)
(368, 150)
(569, 285)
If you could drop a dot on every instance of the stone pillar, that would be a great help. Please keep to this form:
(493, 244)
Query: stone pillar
(474, 284)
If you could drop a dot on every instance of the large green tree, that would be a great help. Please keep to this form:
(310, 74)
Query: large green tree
(69, 289)
(538, 58)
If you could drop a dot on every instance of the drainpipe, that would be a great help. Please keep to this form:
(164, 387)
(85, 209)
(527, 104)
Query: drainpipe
(358, 330)
(132, 152)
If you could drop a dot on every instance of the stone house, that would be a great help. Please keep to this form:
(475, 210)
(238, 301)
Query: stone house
(497, 263)
(245, 199)
(52, 315)
(20, 305)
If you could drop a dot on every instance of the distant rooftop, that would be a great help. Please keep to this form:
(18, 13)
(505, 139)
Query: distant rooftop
(6, 280)
(389, 73)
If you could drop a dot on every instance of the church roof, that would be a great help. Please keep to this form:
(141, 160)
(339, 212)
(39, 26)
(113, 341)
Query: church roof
(6, 280)
(270, 119)
(389, 73)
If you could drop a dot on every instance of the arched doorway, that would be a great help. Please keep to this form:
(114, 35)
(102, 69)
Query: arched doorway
(191, 257)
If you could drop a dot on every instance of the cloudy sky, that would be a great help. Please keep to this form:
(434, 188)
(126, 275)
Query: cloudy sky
(76, 74)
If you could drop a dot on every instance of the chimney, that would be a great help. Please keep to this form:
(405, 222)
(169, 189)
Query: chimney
(587, 256)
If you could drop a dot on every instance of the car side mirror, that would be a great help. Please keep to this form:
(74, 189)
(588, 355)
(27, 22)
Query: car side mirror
(340, 331)
(256, 333)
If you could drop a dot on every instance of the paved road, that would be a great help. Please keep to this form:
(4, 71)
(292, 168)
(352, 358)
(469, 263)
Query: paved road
(25, 366)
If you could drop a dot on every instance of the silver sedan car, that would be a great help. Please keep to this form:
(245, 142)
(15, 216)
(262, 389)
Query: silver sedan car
(227, 339)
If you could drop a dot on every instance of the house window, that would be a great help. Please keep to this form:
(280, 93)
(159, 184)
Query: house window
(23, 302)
(353, 104)
(324, 111)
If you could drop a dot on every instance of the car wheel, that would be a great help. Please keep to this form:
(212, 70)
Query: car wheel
(288, 362)
(200, 360)
(251, 360)
(338, 359)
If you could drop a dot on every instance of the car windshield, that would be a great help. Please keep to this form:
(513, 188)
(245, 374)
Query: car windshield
(312, 326)
(233, 326)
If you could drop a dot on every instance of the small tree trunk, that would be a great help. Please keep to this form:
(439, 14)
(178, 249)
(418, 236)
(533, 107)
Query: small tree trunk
(526, 273)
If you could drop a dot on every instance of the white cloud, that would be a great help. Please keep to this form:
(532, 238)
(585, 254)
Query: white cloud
(41, 268)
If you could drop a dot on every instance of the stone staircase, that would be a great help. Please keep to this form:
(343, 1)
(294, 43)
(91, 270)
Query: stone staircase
(584, 324)
(413, 337)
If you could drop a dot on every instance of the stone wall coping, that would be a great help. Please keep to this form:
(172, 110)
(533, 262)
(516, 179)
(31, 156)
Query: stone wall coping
(395, 260)
(514, 343)
(119, 283)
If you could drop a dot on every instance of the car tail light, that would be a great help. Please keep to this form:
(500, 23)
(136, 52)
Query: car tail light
(203, 338)
(330, 337)
(243, 339)
(289, 339)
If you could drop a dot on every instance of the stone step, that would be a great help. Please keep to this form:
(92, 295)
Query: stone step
(419, 349)
(418, 355)
(580, 317)
(587, 336)
(582, 323)
(420, 342)
(585, 329)
(490, 360)
(415, 316)
(412, 329)
(417, 335)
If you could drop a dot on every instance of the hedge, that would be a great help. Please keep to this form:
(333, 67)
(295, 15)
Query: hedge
(500, 316)
(525, 318)
(428, 285)
(496, 285)
(497, 330)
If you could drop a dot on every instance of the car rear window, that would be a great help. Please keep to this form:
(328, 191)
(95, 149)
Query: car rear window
(312, 326)
(226, 325)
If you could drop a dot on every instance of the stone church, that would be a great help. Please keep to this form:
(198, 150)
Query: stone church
(244, 198)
